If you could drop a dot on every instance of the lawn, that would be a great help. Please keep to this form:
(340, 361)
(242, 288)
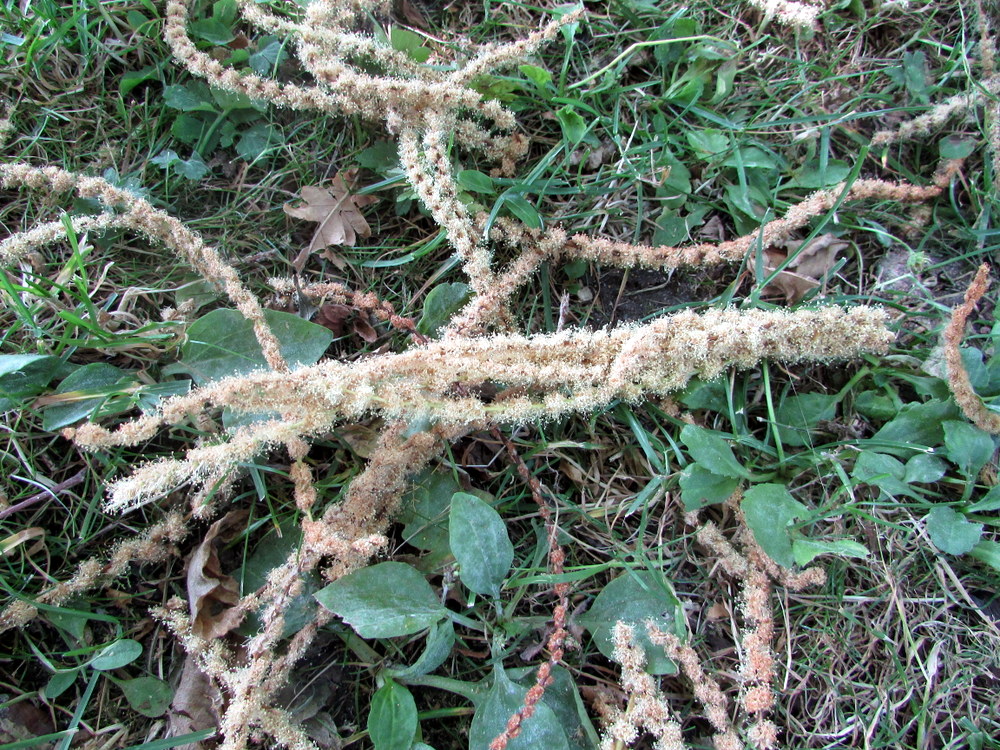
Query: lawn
(439, 375)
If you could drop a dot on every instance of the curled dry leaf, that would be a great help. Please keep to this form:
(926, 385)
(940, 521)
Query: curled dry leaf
(337, 213)
(212, 595)
(810, 264)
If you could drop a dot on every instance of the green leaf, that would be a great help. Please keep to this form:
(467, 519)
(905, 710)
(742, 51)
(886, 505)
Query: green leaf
(540, 730)
(23, 376)
(875, 405)
(148, 696)
(523, 210)
(90, 391)
(212, 31)
(573, 126)
(380, 157)
(797, 416)
(968, 447)
(60, 682)
(989, 501)
(132, 78)
(424, 513)
(951, 532)
(222, 343)
(915, 75)
(538, 76)
(117, 655)
(635, 597)
(924, 468)
(258, 139)
(441, 303)
(193, 169)
(271, 552)
(563, 697)
(807, 550)
(476, 182)
(403, 40)
(701, 487)
(392, 720)
(712, 452)
(479, 541)
(988, 552)
(269, 55)
(816, 175)
(916, 425)
(769, 510)
(956, 147)
(440, 642)
(884, 472)
(185, 99)
(384, 601)
(708, 142)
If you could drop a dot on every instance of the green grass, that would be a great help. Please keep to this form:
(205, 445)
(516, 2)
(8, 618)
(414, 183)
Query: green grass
(691, 140)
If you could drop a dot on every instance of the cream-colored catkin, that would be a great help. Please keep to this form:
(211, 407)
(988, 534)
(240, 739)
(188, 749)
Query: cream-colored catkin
(789, 12)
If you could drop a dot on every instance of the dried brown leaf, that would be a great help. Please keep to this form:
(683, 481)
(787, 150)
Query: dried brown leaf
(212, 594)
(363, 328)
(337, 213)
(197, 704)
(810, 264)
(334, 317)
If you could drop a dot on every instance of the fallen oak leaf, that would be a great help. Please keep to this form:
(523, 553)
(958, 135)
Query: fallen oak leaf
(338, 213)
(809, 265)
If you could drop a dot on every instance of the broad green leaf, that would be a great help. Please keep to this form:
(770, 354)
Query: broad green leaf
(816, 175)
(403, 40)
(751, 157)
(271, 551)
(956, 147)
(380, 157)
(442, 302)
(807, 550)
(968, 447)
(72, 621)
(538, 76)
(479, 541)
(884, 472)
(635, 597)
(541, 730)
(705, 394)
(917, 425)
(93, 390)
(876, 405)
(915, 75)
(258, 139)
(212, 31)
(186, 99)
(269, 55)
(924, 468)
(712, 452)
(24, 376)
(132, 78)
(988, 552)
(989, 501)
(708, 142)
(798, 415)
(192, 169)
(117, 655)
(563, 697)
(424, 513)
(769, 510)
(951, 532)
(148, 696)
(440, 642)
(476, 182)
(384, 601)
(222, 343)
(671, 229)
(701, 487)
(573, 126)
(392, 720)
(60, 682)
